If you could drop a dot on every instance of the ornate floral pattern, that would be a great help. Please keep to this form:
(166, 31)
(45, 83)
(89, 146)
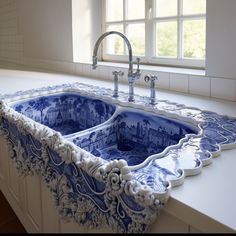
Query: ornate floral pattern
(92, 190)
(133, 136)
(67, 112)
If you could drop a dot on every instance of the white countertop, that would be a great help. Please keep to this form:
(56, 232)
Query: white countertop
(205, 201)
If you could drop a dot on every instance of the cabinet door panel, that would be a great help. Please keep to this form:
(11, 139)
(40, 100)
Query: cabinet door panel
(33, 201)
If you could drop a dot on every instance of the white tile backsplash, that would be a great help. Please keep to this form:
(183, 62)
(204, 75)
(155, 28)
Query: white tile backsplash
(104, 72)
(179, 82)
(94, 73)
(79, 69)
(11, 43)
(97, 72)
(223, 88)
(175, 79)
(163, 80)
(86, 70)
(199, 85)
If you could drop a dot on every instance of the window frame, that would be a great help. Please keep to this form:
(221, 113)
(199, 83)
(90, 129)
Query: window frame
(150, 22)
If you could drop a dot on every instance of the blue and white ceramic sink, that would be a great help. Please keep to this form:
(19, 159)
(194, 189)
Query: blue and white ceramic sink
(106, 159)
(66, 112)
(134, 136)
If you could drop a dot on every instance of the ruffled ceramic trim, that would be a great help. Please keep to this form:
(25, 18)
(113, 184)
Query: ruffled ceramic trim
(117, 175)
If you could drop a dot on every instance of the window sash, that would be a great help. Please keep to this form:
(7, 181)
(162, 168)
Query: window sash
(150, 21)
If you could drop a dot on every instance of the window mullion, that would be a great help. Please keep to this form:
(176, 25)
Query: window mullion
(180, 38)
(149, 30)
(180, 30)
(150, 34)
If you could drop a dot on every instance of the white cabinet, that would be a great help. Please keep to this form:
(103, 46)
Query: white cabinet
(13, 181)
(33, 201)
(50, 217)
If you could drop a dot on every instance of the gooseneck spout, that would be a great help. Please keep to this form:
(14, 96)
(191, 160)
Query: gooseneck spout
(132, 76)
(98, 42)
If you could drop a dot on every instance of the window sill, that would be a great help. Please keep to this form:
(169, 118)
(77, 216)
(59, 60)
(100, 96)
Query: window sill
(165, 69)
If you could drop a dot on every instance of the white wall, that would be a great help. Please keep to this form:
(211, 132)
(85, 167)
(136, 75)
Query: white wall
(38, 34)
(44, 27)
(11, 40)
(221, 38)
(47, 29)
(87, 27)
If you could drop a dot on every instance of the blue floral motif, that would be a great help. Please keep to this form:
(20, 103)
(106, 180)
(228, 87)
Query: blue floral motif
(66, 113)
(133, 136)
(76, 194)
(104, 164)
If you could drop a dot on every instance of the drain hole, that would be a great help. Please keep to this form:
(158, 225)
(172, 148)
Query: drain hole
(125, 146)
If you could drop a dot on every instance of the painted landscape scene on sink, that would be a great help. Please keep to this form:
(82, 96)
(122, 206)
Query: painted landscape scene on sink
(66, 113)
(133, 136)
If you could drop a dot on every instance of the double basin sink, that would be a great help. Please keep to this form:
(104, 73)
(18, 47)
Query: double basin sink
(105, 129)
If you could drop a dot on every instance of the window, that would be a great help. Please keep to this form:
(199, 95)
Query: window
(165, 32)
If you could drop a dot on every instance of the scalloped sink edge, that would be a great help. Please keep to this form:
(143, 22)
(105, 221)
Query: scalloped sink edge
(141, 104)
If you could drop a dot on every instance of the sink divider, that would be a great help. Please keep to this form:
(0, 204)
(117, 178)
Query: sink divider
(126, 198)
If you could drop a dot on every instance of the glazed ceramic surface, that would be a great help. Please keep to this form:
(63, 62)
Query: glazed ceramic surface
(106, 160)
(133, 136)
(67, 113)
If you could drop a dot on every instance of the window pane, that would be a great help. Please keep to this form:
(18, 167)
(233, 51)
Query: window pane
(114, 43)
(191, 7)
(135, 9)
(136, 36)
(114, 10)
(166, 8)
(194, 38)
(166, 39)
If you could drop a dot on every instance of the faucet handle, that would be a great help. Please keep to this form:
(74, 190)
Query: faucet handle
(117, 73)
(151, 78)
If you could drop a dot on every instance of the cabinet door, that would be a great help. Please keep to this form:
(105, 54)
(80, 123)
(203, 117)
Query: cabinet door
(14, 181)
(3, 160)
(33, 201)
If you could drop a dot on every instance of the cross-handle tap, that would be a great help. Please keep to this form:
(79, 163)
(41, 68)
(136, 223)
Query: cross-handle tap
(151, 79)
(116, 77)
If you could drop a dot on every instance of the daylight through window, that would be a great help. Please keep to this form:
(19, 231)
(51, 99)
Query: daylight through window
(171, 32)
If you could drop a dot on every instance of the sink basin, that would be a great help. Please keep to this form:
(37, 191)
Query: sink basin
(133, 135)
(115, 160)
(66, 113)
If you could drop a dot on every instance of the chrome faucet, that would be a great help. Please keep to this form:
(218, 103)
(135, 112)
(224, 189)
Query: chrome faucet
(132, 76)
(151, 79)
(116, 77)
